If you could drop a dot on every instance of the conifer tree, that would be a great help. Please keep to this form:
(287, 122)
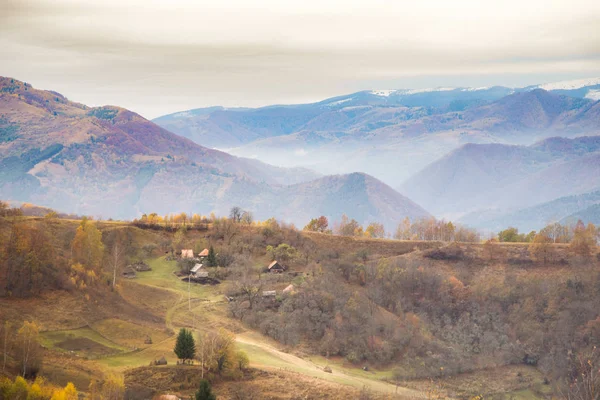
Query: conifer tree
(211, 260)
(185, 347)
(205, 392)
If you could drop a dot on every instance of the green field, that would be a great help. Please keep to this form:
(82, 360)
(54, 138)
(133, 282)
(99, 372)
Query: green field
(84, 342)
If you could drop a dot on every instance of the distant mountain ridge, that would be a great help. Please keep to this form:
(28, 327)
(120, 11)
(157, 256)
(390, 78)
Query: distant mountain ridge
(375, 131)
(504, 177)
(112, 162)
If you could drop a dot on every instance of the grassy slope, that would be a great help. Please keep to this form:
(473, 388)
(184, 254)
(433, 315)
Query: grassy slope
(162, 294)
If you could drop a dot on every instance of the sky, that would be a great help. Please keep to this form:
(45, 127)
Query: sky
(158, 57)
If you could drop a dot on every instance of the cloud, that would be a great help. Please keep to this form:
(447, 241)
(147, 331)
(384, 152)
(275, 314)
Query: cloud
(157, 56)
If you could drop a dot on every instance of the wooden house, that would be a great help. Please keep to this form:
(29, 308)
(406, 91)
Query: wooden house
(203, 253)
(187, 253)
(275, 267)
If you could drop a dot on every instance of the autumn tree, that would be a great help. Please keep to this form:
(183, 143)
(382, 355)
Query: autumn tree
(491, 248)
(320, 225)
(87, 247)
(375, 230)
(185, 347)
(583, 239)
(113, 388)
(541, 248)
(27, 261)
(217, 351)
(284, 252)
(348, 227)
(403, 230)
(30, 352)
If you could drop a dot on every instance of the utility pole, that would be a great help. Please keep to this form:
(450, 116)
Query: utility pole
(189, 292)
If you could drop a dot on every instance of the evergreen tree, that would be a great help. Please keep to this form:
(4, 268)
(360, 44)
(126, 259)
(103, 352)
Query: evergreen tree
(185, 347)
(205, 392)
(211, 260)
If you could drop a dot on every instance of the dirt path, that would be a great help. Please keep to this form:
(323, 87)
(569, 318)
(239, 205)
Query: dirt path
(277, 359)
(317, 371)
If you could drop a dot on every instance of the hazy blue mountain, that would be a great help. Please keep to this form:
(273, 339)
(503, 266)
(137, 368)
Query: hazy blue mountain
(532, 218)
(494, 176)
(390, 134)
(590, 214)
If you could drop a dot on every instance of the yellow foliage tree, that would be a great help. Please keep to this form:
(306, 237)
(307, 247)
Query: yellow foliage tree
(87, 247)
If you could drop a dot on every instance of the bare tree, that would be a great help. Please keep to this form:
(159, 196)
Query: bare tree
(29, 341)
(236, 214)
(116, 259)
(7, 342)
(247, 217)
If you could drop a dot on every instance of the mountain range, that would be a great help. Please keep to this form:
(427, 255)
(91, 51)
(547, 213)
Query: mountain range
(521, 157)
(112, 162)
(477, 176)
(374, 131)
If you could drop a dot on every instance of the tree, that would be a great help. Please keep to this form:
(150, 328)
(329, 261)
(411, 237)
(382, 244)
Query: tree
(235, 214)
(113, 388)
(375, 230)
(403, 230)
(583, 239)
(7, 342)
(318, 225)
(87, 247)
(247, 218)
(30, 355)
(68, 393)
(509, 235)
(185, 347)
(349, 227)
(541, 248)
(283, 252)
(211, 259)
(116, 259)
(204, 391)
(242, 360)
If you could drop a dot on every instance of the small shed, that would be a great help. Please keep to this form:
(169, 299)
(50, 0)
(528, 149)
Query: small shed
(161, 361)
(128, 272)
(275, 267)
(187, 253)
(269, 293)
(203, 253)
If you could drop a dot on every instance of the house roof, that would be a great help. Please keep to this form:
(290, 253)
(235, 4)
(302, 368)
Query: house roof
(290, 288)
(188, 253)
(274, 263)
(203, 253)
(196, 268)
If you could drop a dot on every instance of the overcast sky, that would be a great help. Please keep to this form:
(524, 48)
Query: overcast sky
(156, 57)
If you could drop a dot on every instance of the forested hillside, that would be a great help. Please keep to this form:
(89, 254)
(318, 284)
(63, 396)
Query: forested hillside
(409, 310)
